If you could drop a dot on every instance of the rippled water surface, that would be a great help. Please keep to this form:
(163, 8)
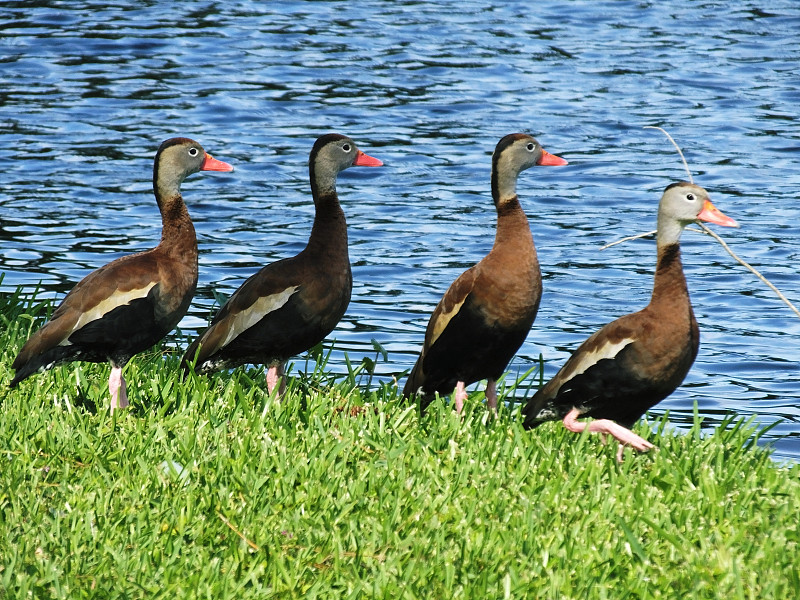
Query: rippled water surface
(90, 89)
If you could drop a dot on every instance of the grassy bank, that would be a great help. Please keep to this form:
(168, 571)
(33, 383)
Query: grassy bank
(209, 489)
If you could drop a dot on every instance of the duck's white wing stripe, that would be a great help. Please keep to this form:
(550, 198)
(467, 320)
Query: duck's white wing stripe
(444, 320)
(588, 359)
(256, 311)
(115, 300)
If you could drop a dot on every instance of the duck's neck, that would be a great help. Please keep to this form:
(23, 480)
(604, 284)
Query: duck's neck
(178, 236)
(669, 285)
(504, 181)
(329, 232)
(513, 230)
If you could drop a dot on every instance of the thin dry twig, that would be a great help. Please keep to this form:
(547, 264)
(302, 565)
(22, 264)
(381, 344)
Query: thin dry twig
(669, 137)
(750, 268)
(737, 258)
(237, 532)
(629, 238)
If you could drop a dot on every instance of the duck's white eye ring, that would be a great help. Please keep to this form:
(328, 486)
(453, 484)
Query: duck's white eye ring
(193, 151)
(346, 147)
(690, 197)
(530, 146)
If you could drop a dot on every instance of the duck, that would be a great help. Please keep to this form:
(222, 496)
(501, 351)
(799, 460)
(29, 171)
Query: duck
(133, 302)
(636, 361)
(486, 313)
(290, 305)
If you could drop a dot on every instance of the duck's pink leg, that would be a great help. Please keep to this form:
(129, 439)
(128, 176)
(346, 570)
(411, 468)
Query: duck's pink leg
(622, 434)
(118, 389)
(461, 396)
(275, 378)
(491, 395)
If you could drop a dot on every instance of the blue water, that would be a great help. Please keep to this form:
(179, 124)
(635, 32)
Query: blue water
(90, 89)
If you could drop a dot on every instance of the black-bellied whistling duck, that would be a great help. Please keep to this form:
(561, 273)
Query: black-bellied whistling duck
(290, 305)
(485, 315)
(633, 363)
(134, 301)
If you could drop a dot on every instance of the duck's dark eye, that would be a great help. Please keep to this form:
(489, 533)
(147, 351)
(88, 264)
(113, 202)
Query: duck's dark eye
(346, 147)
(690, 197)
(193, 151)
(530, 146)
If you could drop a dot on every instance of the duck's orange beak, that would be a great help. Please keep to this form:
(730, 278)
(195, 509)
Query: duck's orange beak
(365, 160)
(551, 160)
(212, 164)
(712, 214)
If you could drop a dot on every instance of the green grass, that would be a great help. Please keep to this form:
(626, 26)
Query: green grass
(210, 489)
